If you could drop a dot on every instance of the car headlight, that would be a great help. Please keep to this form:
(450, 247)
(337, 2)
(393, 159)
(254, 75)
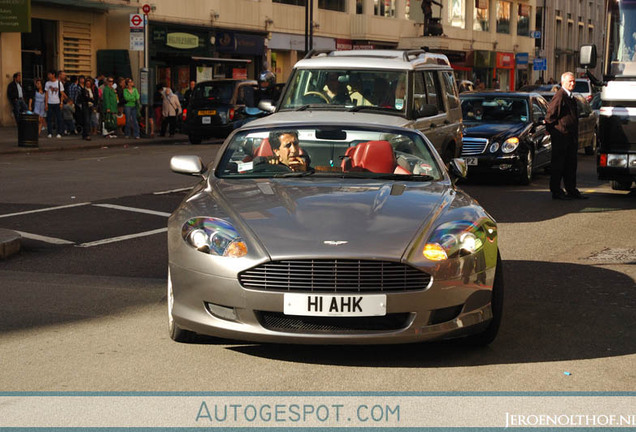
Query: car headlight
(510, 145)
(458, 238)
(494, 147)
(214, 236)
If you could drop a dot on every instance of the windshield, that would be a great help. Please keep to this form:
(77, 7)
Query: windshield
(330, 152)
(494, 109)
(622, 37)
(221, 91)
(377, 89)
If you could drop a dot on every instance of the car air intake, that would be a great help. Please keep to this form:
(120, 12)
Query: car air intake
(332, 325)
(366, 276)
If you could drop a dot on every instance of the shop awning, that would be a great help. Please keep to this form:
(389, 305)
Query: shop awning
(220, 60)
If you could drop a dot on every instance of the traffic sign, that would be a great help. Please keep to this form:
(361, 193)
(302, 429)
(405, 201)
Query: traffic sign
(136, 21)
(540, 64)
(146, 9)
(536, 34)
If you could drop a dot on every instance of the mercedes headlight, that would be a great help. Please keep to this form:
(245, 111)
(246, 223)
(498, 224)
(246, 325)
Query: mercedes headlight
(510, 145)
(458, 238)
(214, 236)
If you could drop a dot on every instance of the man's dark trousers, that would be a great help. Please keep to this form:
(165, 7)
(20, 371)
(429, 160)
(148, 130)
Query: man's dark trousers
(563, 165)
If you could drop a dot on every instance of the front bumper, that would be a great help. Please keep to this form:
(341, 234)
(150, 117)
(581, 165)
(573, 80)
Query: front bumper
(456, 303)
(496, 164)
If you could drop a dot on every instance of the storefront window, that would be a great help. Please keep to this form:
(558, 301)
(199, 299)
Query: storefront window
(292, 2)
(503, 17)
(384, 8)
(334, 5)
(456, 13)
(481, 17)
(523, 20)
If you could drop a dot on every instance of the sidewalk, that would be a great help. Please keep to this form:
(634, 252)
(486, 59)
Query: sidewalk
(9, 142)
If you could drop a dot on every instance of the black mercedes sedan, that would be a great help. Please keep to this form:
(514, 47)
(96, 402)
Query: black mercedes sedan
(218, 107)
(504, 134)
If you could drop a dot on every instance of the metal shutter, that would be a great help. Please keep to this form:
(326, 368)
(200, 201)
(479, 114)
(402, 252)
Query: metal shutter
(76, 48)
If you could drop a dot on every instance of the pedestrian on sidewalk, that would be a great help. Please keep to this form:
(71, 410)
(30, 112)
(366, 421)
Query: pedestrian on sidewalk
(15, 94)
(109, 109)
(36, 104)
(53, 97)
(171, 109)
(84, 105)
(131, 97)
(157, 106)
(93, 94)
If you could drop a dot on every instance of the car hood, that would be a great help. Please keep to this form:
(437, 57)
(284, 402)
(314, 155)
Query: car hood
(493, 130)
(317, 217)
(336, 117)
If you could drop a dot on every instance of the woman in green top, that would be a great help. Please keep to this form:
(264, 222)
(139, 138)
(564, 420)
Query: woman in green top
(131, 96)
(109, 106)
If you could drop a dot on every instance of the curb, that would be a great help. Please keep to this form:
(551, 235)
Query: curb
(10, 242)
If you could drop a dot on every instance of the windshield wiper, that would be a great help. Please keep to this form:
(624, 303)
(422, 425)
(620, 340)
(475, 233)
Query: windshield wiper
(309, 172)
(367, 107)
(417, 177)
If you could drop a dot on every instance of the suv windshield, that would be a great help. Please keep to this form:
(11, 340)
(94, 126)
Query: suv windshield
(494, 109)
(376, 89)
(329, 151)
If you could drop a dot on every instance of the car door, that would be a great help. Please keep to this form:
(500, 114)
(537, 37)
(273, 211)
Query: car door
(429, 109)
(541, 137)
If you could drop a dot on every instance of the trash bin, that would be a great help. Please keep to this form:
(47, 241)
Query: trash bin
(28, 130)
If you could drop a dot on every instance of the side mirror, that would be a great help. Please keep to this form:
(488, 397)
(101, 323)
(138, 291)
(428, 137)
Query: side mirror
(267, 106)
(587, 56)
(187, 164)
(458, 168)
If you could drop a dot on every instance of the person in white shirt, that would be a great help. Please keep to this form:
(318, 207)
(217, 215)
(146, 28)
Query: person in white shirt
(53, 97)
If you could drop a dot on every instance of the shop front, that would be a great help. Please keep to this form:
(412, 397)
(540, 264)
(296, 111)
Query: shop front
(484, 63)
(505, 71)
(287, 49)
(523, 73)
(180, 54)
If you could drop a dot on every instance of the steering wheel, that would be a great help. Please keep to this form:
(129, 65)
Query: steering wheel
(315, 93)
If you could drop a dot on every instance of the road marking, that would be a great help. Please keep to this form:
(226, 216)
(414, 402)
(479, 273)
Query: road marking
(43, 210)
(122, 238)
(133, 209)
(172, 191)
(45, 239)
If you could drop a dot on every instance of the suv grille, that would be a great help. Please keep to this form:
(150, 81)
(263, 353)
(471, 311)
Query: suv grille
(474, 146)
(334, 276)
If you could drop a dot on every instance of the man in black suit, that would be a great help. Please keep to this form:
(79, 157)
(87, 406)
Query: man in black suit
(15, 93)
(562, 122)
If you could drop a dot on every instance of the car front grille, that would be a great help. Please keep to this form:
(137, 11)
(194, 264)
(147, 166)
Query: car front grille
(276, 321)
(474, 146)
(366, 276)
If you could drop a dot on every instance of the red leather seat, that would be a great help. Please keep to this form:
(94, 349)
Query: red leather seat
(373, 156)
(265, 149)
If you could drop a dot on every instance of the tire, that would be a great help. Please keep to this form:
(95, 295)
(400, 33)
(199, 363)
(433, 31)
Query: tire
(194, 139)
(591, 149)
(525, 176)
(177, 334)
(621, 186)
(488, 335)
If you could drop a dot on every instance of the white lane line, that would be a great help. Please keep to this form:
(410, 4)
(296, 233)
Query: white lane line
(45, 239)
(172, 191)
(43, 210)
(132, 209)
(122, 238)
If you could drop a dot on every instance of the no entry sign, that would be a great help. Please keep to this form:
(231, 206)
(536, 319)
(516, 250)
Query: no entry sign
(136, 21)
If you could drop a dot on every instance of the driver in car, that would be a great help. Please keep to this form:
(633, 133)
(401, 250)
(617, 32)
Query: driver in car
(287, 150)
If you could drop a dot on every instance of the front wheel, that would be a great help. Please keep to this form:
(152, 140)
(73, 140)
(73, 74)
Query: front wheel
(525, 176)
(487, 336)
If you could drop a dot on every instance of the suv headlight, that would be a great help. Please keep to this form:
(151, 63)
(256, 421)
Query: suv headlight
(214, 236)
(458, 238)
(510, 145)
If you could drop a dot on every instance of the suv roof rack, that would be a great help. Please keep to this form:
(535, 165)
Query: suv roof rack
(317, 52)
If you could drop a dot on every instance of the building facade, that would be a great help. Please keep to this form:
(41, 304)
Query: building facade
(206, 39)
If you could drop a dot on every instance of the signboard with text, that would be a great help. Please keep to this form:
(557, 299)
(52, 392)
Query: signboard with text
(15, 16)
(137, 35)
(540, 64)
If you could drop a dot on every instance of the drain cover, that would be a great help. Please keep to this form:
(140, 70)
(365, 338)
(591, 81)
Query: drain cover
(615, 256)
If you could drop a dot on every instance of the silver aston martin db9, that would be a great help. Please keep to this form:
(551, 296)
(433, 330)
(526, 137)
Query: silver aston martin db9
(328, 233)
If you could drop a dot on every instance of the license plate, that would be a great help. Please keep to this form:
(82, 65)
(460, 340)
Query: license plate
(471, 160)
(207, 112)
(335, 305)
(206, 120)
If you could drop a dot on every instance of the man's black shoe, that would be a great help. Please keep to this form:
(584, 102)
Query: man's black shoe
(577, 195)
(562, 196)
